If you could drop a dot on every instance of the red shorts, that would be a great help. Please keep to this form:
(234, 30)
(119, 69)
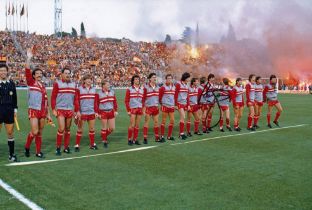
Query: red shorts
(107, 115)
(224, 108)
(39, 114)
(136, 111)
(194, 108)
(250, 103)
(65, 113)
(259, 103)
(167, 109)
(238, 104)
(87, 117)
(273, 103)
(153, 110)
(182, 106)
(204, 107)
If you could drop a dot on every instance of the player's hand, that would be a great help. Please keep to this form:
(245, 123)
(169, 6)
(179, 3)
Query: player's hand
(29, 54)
(54, 112)
(15, 114)
(96, 115)
(129, 113)
(176, 108)
(189, 108)
(78, 115)
(115, 114)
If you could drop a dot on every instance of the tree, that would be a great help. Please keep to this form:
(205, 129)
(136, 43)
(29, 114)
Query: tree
(168, 39)
(74, 33)
(82, 30)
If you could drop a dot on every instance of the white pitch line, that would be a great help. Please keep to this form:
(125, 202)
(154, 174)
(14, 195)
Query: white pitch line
(238, 134)
(85, 156)
(150, 147)
(19, 196)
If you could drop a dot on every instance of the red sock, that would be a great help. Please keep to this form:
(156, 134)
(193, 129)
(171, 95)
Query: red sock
(78, 137)
(181, 128)
(145, 130)
(204, 124)
(104, 135)
(188, 126)
(268, 118)
(256, 119)
(59, 138)
(156, 130)
(209, 121)
(66, 139)
(109, 131)
(196, 125)
(130, 131)
(91, 137)
(227, 120)
(221, 123)
(135, 133)
(162, 129)
(29, 139)
(249, 121)
(170, 129)
(38, 141)
(278, 114)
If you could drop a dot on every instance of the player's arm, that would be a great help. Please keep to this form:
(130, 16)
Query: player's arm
(161, 94)
(127, 101)
(53, 98)
(177, 90)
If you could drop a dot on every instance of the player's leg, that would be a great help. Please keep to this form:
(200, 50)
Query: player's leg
(279, 108)
(34, 126)
(164, 116)
(181, 124)
(79, 135)
(269, 115)
(188, 123)
(251, 115)
(196, 122)
(209, 118)
(91, 124)
(145, 127)
(221, 120)
(38, 138)
(136, 129)
(131, 129)
(170, 127)
(68, 122)
(104, 128)
(60, 133)
(227, 119)
(156, 126)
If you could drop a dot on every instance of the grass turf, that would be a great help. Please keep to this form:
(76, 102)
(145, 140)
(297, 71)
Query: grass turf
(268, 170)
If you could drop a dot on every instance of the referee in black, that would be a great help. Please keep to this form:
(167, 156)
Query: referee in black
(8, 107)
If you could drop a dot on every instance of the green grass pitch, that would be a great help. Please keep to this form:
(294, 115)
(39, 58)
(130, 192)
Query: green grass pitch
(265, 170)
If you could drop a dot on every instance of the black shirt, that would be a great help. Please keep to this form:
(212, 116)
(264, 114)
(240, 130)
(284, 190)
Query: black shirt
(8, 97)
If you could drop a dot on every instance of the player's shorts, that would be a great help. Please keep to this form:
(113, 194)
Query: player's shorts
(39, 114)
(194, 108)
(259, 103)
(136, 111)
(273, 103)
(224, 108)
(238, 104)
(153, 110)
(182, 106)
(167, 109)
(107, 115)
(204, 107)
(250, 103)
(65, 113)
(6, 115)
(87, 117)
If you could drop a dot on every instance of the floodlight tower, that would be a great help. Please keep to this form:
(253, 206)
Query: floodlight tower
(58, 18)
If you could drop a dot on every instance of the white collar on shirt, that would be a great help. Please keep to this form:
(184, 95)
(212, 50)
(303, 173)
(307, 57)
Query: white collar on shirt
(4, 81)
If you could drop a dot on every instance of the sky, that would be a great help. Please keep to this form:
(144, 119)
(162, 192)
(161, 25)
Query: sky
(152, 20)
